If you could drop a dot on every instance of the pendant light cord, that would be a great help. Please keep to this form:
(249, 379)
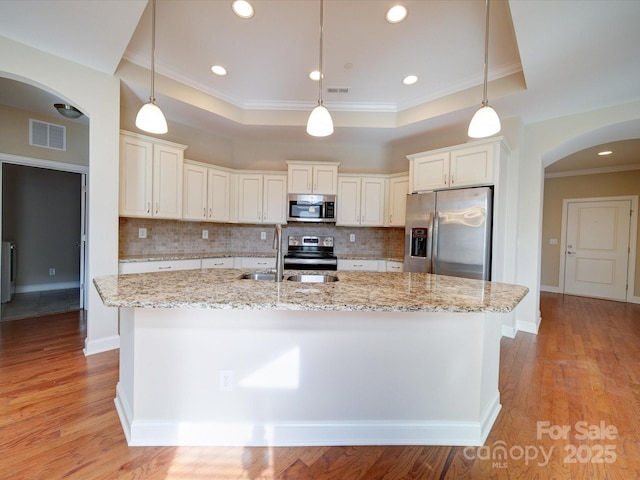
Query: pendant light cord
(153, 51)
(485, 101)
(320, 62)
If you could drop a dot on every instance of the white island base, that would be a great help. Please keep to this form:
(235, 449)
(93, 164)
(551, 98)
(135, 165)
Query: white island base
(300, 377)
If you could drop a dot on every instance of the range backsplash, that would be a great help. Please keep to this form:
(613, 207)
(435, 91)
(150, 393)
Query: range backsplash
(174, 236)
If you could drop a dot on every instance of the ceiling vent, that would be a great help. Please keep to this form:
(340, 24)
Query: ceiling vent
(338, 89)
(47, 135)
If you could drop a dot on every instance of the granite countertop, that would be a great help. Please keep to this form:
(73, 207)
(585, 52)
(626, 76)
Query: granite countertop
(355, 291)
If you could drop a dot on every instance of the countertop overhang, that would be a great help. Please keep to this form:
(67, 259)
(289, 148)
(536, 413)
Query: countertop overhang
(355, 291)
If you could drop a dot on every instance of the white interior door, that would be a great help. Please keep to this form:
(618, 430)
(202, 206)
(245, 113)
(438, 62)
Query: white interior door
(597, 248)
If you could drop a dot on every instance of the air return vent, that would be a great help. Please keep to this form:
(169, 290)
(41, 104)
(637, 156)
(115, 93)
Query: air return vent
(47, 135)
(338, 89)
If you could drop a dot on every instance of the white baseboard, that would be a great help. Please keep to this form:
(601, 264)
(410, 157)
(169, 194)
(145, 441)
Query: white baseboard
(43, 287)
(508, 331)
(634, 299)
(288, 434)
(91, 347)
(547, 288)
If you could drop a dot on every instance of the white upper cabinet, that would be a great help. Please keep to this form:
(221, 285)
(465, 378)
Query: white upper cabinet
(206, 193)
(262, 198)
(460, 166)
(397, 200)
(150, 177)
(361, 200)
(194, 201)
(307, 177)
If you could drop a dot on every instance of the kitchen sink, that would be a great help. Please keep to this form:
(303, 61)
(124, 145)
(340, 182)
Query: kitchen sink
(258, 276)
(312, 278)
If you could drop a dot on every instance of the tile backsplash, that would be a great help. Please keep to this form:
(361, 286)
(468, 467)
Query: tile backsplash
(174, 236)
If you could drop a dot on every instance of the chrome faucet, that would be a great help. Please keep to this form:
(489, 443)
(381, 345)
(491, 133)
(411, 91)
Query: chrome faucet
(277, 244)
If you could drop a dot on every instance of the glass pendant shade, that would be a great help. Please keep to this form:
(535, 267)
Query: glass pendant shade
(320, 123)
(484, 123)
(150, 119)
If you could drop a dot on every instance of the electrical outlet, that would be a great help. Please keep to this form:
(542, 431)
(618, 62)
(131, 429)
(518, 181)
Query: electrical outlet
(52, 271)
(352, 237)
(205, 234)
(142, 233)
(226, 380)
(263, 235)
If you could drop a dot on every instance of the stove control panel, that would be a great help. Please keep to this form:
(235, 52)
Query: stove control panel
(310, 241)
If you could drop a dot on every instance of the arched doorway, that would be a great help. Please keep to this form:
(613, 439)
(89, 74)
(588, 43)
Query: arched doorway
(97, 94)
(578, 195)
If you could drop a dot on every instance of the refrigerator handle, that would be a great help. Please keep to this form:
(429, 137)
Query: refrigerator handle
(433, 254)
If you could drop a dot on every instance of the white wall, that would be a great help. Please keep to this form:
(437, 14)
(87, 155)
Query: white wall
(98, 95)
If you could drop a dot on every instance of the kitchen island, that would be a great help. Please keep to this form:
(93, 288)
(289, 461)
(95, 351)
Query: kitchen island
(207, 358)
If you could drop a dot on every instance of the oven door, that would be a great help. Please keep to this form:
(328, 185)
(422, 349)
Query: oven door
(310, 261)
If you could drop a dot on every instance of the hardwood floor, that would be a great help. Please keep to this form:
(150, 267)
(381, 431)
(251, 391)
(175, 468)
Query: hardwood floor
(570, 396)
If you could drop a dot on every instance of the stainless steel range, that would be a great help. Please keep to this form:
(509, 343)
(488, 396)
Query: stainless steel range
(310, 253)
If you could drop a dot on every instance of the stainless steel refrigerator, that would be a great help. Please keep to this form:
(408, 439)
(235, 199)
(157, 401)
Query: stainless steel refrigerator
(449, 232)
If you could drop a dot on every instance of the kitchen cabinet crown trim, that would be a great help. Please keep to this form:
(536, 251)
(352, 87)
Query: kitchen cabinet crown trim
(486, 141)
(154, 139)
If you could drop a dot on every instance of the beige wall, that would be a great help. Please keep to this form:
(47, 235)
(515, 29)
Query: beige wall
(14, 137)
(582, 186)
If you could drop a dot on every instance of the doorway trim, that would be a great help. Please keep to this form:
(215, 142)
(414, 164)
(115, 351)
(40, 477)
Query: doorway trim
(62, 167)
(633, 234)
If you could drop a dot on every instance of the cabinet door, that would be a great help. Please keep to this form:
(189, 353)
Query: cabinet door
(372, 201)
(136, 168)
(218, 196)
(472, 166)
(167, 181)
(398, 190)
(348, 201)
(250, 198)
(325, 179)
(194, 198)
(274, 208)
(430, 172)
(300, 178)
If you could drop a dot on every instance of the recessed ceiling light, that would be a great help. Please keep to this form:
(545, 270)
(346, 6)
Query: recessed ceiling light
(219, 70)
(242, 8)
(605, 152)
(315, 76)
(409, 80)
(396, 14)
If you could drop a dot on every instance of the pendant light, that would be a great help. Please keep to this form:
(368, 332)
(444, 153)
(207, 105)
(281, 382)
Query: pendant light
(485, 122)
(320, 123)
(150, 117)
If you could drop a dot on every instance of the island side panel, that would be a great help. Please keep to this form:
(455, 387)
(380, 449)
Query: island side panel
(309, 377)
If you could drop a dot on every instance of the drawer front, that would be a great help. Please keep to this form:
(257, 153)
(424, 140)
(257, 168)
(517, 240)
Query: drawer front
(159, 266)
(358, 265)
(225, 262)
(257, 262)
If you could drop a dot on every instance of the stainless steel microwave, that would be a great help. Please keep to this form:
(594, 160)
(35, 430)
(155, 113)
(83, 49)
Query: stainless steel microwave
(311, 208)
